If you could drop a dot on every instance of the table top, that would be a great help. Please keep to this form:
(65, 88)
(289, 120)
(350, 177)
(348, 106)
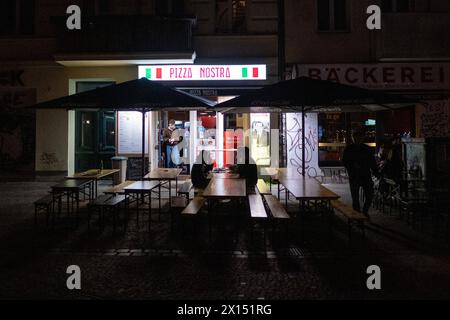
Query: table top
(279, 173)
(225, 188)
(71, 184)
(93, 174)
(308, 189)
(142, 185)
(223, 175)
(163, 174)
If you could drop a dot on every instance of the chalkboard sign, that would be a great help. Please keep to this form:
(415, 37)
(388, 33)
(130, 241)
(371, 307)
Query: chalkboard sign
(134, 168)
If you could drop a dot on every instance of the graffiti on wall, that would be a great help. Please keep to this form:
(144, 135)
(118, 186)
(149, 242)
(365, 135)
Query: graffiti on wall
(17, 123)
(295, 146)
(436, 119)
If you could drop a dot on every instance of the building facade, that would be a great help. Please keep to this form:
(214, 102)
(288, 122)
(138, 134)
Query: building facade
(329, 40)
(41, 60)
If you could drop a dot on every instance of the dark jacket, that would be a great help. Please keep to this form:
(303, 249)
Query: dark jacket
(359, 160)
(249, 172)
(199, 175)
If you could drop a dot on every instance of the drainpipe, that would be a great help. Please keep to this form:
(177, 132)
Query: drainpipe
(281, 70)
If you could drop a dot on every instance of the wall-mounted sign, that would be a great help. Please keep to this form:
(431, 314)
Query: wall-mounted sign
(203, 72)
(129, 127)
(381, 75)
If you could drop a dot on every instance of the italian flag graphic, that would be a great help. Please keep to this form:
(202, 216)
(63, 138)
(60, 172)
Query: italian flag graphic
(245, 72)
(148, 73)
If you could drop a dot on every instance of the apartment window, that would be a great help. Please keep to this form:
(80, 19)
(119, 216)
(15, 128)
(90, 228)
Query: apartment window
(333, 15)
(395, 6)
(231, 16)
(17, 17)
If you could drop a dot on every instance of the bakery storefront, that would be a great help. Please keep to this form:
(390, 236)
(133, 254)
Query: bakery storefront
(425, 81)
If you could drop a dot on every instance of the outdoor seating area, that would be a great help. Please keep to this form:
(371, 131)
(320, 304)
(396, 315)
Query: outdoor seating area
(282, 200)
(163, 192)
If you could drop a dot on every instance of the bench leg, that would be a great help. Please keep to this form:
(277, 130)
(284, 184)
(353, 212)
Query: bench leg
(349, 232)
(35, 216)
(150, 211)
(264, 237)
(209, 219)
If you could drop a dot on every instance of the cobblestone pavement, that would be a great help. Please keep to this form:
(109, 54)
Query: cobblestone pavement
(174, 265)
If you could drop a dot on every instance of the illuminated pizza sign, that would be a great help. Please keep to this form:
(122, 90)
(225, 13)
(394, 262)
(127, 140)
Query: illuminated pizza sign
(203, 72)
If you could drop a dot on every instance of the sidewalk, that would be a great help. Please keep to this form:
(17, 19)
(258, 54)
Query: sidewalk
(414, 264)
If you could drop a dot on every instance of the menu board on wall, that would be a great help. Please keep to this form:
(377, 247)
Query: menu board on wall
(129, 129)
(294, 143)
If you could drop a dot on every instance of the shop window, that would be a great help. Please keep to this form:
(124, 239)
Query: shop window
(395, 6)
(231, 16)
(335, 131)
(333, 15)
(17, 17)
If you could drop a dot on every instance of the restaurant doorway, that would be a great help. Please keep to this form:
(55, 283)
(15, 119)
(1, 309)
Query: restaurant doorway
(95, 133)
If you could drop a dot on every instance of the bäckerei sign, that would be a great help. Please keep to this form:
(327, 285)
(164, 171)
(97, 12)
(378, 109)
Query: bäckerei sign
(423, 76)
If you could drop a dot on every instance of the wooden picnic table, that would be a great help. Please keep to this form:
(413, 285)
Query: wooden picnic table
(165, 174)
(275, 174)
(72, 189)
(223, 175)
(222, 189)
(141, 188)
(225, 188)
(305, 189)
(95, 175)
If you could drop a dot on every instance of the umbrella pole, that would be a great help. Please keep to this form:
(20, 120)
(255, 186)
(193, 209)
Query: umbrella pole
(143, 143)
(303, 142)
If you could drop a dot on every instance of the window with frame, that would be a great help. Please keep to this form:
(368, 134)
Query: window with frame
(395, 6)
(231, 16)
(17, 17)
(333, 15)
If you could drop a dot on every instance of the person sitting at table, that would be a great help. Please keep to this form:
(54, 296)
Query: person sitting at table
(200, 170)
(246, 167)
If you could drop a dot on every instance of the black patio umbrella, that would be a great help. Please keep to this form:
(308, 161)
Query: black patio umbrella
(140, 95)
(304, 94)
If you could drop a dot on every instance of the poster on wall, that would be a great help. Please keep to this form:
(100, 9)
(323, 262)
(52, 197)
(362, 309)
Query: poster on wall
(436, 119)
(260, 138)
(415, 158)
(294, 143)
(129, 128)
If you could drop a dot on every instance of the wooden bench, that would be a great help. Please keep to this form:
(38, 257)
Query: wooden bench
(185, 188)
(194, 206)
(257, 209)
(353, 217)
(258, 212)
(198, 191)
(43, 204)
(277, 211)
(262, 187)
(192, 209)
(118, 189)
(177, 204)
(104, 203)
